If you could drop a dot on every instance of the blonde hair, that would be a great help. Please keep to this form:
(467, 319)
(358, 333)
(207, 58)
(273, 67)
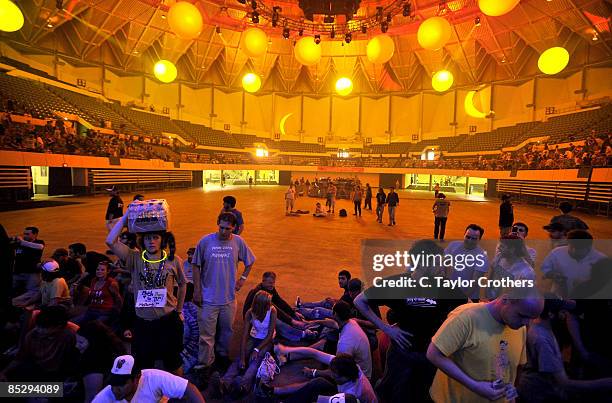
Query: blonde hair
(261, 304)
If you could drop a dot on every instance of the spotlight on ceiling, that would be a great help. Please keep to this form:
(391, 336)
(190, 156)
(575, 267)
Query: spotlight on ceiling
(328, 19)
(218, 30)
(317, 39)
(301, 32)
(348, 37)
(364, 29)
(595, 36)
(255, 17)
(406, 10)
(332, 33)
(163, 16)
(286, 33)
(477, 21)
(384, 27)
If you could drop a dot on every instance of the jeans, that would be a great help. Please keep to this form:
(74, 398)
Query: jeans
(311, 391)
(316, 313)
(380, 209)
(367, 203)
(392, 214)
(25, 282)
(211, 317)
(357, 207)
(286, 331)
(440, 227)
(407, 373)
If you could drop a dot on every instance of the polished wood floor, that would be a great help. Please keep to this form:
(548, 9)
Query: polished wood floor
(305, 252)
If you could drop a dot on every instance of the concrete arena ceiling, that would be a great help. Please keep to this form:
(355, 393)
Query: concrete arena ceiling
(131, 35)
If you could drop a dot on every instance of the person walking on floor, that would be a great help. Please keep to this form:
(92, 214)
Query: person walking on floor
(440, 209)
(392, 203)
(357, 195)
(368, 198)
(289, 200)
(381, 199)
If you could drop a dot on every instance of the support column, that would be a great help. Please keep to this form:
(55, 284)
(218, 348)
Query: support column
(467, 185)
(430, 181)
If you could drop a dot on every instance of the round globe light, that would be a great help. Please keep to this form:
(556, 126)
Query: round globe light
(11, 17)
(344, 86)
(495, 8)
(442, 80)
(254, 42)
(165, 71)
(185, 20)
(251, 82)
(553, 60)
(433, 33)
(307, 52)
(380, 49)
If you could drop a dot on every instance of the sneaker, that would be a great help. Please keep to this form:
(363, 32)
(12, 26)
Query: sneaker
(310, 334)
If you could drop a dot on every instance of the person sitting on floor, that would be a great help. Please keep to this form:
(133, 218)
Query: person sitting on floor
(259, 323)
(343, 370)
(290, 325)
(319, 212)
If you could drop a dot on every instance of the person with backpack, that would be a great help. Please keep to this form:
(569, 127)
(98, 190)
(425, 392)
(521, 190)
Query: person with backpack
(257, 335)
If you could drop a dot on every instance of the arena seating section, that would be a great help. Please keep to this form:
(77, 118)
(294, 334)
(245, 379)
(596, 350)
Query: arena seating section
(42, 100)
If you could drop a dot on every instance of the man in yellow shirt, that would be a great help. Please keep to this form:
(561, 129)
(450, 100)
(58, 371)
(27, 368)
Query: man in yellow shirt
(478, 348)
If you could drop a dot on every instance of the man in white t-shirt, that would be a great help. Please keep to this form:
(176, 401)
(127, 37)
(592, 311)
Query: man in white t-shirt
(148, 385)
(352, 340)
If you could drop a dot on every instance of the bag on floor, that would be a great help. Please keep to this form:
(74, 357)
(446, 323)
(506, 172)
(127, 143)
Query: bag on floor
(268, 369)
(343, 213)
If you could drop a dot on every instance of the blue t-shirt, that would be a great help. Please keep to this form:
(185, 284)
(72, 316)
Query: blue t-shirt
(218, 260)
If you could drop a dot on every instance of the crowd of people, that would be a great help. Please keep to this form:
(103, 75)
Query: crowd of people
(61, 138)
(138, 322)
(57, 137)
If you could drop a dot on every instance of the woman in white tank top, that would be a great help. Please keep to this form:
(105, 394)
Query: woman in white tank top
(257, 337)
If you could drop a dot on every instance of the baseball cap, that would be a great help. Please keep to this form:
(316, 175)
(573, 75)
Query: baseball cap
(111, 189)
(343, 398)
(50, 266)
(121, 371)
(554, 226)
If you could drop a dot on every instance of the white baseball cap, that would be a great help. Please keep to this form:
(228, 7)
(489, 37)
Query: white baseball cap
(50, 266)
(343, 398)
(122, 370)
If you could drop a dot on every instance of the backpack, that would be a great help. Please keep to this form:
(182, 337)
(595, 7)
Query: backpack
(343, 213)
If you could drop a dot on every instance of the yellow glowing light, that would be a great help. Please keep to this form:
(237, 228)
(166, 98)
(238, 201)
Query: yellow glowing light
(469, 107)
(254, 42)
(307, 52)
(185, 20)
(344, 86)
(282, 123)
(165, 71)
(495, 8)
(261, 152)
(380, 49)
(553, 60)
(433, 33)
(11, 17)
(251, 82)
(442, 80)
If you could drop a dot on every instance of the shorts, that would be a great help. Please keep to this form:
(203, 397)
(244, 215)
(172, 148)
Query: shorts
(159, 339)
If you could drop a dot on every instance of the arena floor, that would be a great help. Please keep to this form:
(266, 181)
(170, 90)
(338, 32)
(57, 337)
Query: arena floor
(306, 252)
